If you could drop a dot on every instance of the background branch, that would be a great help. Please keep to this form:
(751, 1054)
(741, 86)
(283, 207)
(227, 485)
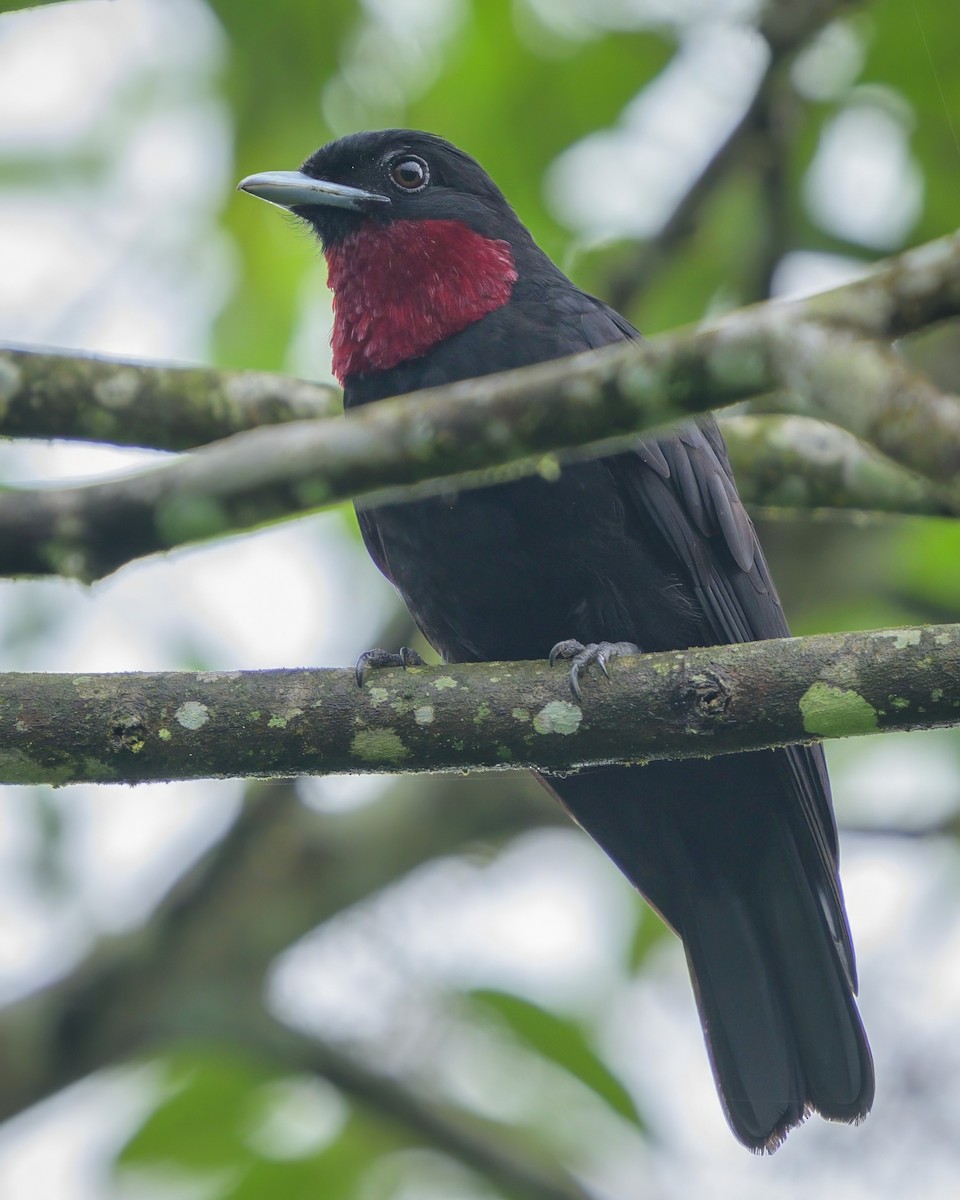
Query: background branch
(46, 394)
(501, 426)
(795, 463)
(714, 700)
(786, 26)
(278, 873)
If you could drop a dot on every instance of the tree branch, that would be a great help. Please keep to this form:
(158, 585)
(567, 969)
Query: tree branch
(46, 394)
(196, 969)
(786, 25)
(868, 390)
(794, 462)
(501, 426)
(452, 1130)
(127, 728)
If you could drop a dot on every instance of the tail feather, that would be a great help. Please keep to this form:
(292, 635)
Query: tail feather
(720, 852)
(811, 971)
(781, 1025)
(745, 1026)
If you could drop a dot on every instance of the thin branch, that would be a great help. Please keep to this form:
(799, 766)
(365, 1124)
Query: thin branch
(632, 277)
(52, 394)
(866, 389)
(715, 700)
(278, 873)
(499, 1158)
(786, 25)
(794, 462)
(501, 426)
(912, 291)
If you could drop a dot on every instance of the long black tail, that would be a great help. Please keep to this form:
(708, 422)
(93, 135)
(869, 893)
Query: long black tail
(738, 861)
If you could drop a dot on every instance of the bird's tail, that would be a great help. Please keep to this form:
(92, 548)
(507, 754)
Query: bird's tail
(779, 1017)
(757, 904)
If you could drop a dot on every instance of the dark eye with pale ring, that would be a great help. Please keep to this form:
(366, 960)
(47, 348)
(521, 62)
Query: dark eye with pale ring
(411, 174)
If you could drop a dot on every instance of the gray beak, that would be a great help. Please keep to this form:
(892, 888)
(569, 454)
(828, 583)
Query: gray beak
(293, 189)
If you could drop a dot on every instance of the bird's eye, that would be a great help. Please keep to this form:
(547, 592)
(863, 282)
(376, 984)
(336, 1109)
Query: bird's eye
(411, 174)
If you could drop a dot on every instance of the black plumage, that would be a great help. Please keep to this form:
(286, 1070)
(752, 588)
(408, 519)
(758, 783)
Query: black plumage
(653, 546)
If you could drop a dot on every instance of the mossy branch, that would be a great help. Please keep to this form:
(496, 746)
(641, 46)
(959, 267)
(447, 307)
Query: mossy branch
(52, 394)
(501, 426)
(794, 462)
(128, 728)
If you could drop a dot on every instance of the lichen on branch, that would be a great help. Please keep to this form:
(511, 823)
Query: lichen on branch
(699, 702)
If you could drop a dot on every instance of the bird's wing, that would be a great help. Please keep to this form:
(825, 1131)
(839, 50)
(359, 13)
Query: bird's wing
(681, 483)
(372, 539)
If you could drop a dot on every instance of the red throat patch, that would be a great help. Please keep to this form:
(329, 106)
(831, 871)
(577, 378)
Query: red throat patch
(401, 288)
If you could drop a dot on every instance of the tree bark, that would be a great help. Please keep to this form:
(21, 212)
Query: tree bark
(127, 728)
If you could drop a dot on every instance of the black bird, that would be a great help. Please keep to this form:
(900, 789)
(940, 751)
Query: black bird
(435, 279)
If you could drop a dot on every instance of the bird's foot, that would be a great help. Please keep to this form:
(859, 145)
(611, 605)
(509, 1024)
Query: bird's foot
(580, 657)
(376, 660)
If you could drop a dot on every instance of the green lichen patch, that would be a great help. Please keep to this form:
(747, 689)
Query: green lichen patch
(378, 745)
(424, 714)
(91, 687)
(377, 695)
(281, 720)
(190, 519)
(902, 638)
(192, 714)
(520, 714)
(164, 735)
(559, 716)
(18, 767)
(313, 493)
(445, 681)
(548, 468)
(10, 382)
(836, 712)
(119, 390)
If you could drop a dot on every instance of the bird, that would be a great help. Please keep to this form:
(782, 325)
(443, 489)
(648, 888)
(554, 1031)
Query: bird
(435, 279)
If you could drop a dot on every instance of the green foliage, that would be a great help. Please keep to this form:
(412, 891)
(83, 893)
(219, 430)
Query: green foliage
(564, 89)
(561, 1041)
(205, 1132)
(912, 50)
(517, 91)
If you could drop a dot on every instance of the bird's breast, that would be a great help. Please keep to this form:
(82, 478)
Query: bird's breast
(404, 287)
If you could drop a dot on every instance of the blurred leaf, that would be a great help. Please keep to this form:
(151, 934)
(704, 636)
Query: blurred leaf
(649, 930)
(914, 48)
(502, 65)
(926, 565)
(201, 1126)
(335, 1172)
(715, 267)
(204, 1128)
(560, 1040)
(16, 5)
(279, 60)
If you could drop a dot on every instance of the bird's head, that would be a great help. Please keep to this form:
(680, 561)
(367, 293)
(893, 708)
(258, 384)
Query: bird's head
(419, 241)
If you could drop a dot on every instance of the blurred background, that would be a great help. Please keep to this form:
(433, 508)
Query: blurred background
(314, 988)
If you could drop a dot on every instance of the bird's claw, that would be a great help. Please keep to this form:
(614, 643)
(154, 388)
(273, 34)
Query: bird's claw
(377, 659)
(580, 657)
